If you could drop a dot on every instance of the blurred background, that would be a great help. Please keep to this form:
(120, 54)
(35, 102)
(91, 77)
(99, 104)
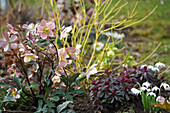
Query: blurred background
(141, 39)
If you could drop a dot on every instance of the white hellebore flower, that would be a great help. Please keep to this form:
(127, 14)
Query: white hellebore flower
(160, 99)
(165, 86)
(91, 71)
(151, 94)
(115, 35)
(56, 79)
(99, 46)
(135, 91)
(153, 68)
(159, 64)
(155, 88)
(65, 31)
(146, 84)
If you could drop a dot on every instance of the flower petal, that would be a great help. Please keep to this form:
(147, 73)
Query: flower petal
(43, 23)
(6, 48)
(44, 36)
(51, 25)
(13, 46)
(13, 38)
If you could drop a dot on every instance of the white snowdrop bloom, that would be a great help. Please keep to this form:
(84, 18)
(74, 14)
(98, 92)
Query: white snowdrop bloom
(146, 84)
(153, 68)
(142, 66)
(159, 64)
(99, 46)
(135, 91)
(165, 86)
(148, 90)
(155, 88)
(143, 89)
(115, 35)
(151, 94)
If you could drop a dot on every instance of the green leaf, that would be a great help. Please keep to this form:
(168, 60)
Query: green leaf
(58, 92)
(17, 81)
(32, 86)
(69, 97)
(72, 78)
(41, 96)
(79, 91)
(56, 98)
(5, 85)
(68, 111)
(8, 98)
(63, 106)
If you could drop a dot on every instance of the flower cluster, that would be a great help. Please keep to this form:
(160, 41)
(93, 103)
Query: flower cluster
(154, 68)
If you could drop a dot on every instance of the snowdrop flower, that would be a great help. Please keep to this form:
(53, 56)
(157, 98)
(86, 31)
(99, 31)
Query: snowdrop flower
(146, 84)
(135, 91)
(143, 89)
(56, 79)
(159, 64)
(115, 35)
(8, 43)
(110, 53)
(99, 46)
(65, 31)
(29, 56)
(165, 86)
(142, 66)
(153, 68)
(151, 94)
(155, 88)
(91, 71)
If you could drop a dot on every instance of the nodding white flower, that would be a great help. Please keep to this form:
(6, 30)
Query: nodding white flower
(159, 64)
(143, 89)
(135, 91)
(151, 94)
(146, 84)
(148, 90)
(29, 56)
(160, 99)
(165, 86)
(99, 46)
(155, 88)
(142, 66)
(153, 68)
(56, 79)
(91, 71)
(115, 35)
(65, 31)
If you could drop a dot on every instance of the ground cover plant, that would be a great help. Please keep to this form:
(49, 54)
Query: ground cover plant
(52, 62)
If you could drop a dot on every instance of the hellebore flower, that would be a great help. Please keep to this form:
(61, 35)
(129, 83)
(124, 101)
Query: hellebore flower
(91, 71)
(159, 64)
(14, 92)
(146, 84)
(62, 57)
(56, 79)
(135, 91)
(160, 99)
(165, 86)
(8, 43)
(65, 31)
(32, 28)
(45, 29)
(29, 56)
(12, 29)
(99, 46)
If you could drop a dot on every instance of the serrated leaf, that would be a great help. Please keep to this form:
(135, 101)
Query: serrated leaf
(17, 81)
(63, 106)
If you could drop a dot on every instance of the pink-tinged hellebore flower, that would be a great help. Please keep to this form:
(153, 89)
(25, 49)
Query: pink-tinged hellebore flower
(59, 71)
(65, 31)
(62, 57)
(29, 56)
(56, 79)
(45, 29)
(32, 29)
(12, 29)
(71, 52)
(91, 71)
(8, 43)
(14, 92)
